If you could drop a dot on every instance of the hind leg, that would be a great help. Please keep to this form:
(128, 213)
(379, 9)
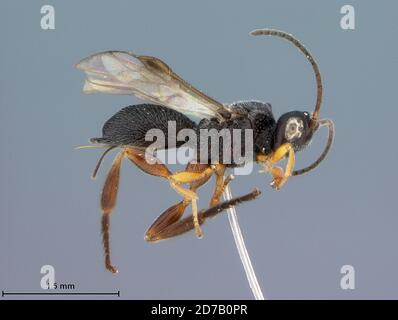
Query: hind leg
(109, 195)
(153, 167)
(108, 202)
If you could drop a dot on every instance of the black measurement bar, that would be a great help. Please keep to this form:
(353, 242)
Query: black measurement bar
(3, 293)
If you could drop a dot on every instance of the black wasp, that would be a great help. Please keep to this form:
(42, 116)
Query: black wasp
(172, 99)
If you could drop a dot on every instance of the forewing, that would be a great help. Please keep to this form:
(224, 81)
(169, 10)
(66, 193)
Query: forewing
(148, 78)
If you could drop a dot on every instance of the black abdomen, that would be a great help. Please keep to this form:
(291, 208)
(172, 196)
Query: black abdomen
(130, 125)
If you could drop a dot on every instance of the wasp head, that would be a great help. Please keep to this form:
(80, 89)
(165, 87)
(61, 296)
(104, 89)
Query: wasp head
(294, 128)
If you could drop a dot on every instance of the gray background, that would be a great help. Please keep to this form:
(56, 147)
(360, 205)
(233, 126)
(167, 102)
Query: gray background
(299, 237)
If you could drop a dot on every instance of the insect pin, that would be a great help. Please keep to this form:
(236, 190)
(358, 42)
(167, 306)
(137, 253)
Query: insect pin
(171, 99)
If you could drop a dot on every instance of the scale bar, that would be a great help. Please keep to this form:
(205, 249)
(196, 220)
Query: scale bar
(3, 293)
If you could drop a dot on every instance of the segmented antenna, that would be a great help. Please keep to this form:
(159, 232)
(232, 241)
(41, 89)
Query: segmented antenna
(321, 123)
(300, 46)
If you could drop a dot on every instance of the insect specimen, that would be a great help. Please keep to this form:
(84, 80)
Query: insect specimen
(170, 98)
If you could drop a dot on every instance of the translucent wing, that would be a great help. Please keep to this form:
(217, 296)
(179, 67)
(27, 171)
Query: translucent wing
(148, 78)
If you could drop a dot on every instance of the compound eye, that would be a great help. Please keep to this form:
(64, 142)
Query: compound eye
(294, 129)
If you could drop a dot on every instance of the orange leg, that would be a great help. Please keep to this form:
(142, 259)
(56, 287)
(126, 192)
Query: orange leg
(221, 183)
(175, 212)
(279, 176)
(183, 177)
(194, 175)
(110, 190)
(108, 202)
(176, 180)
